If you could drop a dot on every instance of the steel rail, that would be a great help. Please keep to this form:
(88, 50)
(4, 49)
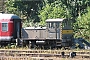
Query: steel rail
(42, 53)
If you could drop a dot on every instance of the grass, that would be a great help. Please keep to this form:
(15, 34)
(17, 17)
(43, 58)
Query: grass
(49, 50)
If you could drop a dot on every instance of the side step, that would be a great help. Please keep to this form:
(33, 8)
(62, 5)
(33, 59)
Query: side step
(58, 43)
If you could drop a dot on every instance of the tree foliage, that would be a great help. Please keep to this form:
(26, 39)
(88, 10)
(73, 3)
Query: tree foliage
(52, 10)
(10, 8)
(25, 9)
(83, 25)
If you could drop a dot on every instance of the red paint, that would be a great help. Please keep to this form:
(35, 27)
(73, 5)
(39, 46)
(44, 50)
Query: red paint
(0, 28)
(10, 27)
(6, 20)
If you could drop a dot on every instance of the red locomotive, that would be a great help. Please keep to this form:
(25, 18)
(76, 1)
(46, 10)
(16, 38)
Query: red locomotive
(9, 27)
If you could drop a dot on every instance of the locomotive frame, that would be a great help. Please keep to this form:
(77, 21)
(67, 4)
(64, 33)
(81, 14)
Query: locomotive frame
(57, 33)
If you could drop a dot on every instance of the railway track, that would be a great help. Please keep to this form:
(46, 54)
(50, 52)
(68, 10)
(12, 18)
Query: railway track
(41, 54)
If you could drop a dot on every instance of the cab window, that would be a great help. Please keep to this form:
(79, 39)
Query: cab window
(58, 25)
(53, 24)
(4, 26)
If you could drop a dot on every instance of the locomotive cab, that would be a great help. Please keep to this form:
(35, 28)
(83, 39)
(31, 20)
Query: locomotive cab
(61, 31)
(67, 32)
(54, 28)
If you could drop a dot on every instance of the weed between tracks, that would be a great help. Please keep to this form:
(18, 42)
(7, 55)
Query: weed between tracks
(8, 56)
(27, 48)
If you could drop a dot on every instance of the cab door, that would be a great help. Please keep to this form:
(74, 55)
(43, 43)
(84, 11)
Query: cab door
(17, 29)
(53, 29)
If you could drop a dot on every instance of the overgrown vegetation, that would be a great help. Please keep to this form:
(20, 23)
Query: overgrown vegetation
(82, 26)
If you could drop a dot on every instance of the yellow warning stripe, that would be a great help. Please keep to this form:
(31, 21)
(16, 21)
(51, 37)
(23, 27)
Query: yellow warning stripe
(67, 31)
